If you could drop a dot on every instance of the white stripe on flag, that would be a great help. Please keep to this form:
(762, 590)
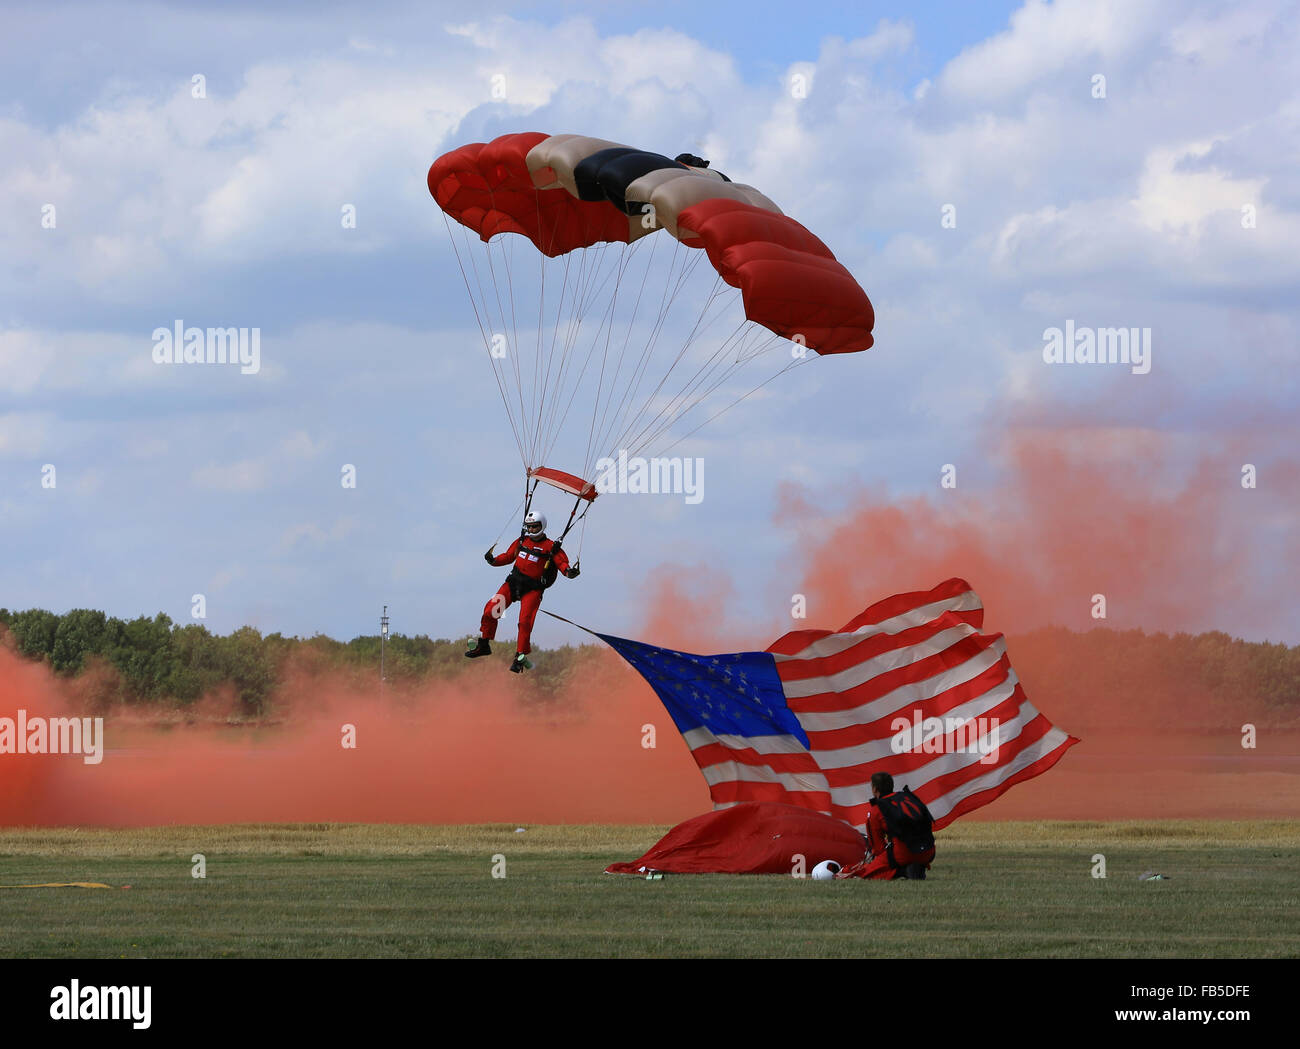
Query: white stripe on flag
(860, 673)
(882, 747)
(909, 695)
(834, 644)
(701, 737)
(737, 772)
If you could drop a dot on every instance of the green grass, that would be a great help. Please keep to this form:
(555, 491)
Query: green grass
(324, 891)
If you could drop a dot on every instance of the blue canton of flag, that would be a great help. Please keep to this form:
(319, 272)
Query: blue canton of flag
(737, 694)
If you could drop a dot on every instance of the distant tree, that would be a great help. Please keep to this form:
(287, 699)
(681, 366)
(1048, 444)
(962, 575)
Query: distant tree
(81, 632)
(142, 653)
(34, 632)
(248, 664)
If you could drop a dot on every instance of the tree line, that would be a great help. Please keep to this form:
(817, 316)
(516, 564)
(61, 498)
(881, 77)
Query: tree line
(155, 660)
(1099, 676)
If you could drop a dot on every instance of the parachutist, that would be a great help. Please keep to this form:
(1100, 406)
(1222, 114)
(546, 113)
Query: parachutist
(537, 562)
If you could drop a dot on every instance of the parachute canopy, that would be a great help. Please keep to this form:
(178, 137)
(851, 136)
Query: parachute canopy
(585, 313)
(751, 838)
(565, 192)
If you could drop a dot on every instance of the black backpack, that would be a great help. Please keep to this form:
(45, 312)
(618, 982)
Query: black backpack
(907, 820)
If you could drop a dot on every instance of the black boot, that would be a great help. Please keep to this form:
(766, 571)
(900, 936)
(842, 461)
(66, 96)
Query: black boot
(914, 872)
(480, 649)
(521, 663)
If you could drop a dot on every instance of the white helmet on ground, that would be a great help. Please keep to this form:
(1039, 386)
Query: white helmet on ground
(826, 871)
(534, 523)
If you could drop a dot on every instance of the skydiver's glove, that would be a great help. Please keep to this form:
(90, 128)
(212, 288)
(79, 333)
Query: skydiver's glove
(490, 557)
(572, 573)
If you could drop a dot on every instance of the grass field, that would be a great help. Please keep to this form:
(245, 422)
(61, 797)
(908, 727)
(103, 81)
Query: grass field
(396, 891)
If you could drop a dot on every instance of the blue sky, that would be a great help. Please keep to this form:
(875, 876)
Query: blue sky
(1123, 210)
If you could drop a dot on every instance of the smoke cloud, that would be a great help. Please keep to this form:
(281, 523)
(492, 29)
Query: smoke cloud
(1070, 517)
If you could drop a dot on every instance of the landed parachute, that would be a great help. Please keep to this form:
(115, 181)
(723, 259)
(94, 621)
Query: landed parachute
(590, 316)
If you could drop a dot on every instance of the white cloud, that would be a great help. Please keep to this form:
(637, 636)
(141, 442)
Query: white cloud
(1178, 202)
(248, 475)
(1067, 206)
(26, 434)
(1046, 39)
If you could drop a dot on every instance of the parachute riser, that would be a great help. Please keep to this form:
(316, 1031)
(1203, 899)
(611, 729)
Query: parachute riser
(574, 516)
(569, 527)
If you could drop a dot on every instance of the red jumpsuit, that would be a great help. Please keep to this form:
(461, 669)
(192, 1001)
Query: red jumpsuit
(530, 557)
(877, 864)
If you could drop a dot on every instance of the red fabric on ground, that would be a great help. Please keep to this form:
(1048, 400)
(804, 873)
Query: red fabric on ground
(753, 838)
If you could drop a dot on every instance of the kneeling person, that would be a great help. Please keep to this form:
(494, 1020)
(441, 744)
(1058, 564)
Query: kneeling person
(900, 834)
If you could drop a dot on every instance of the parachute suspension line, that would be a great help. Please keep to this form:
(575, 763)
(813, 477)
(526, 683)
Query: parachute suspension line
(768, 343)
(544, 262)
(631, 422)
(581, 283)
(483, 329)
(510, 359)
(512, 350)
(708, 378)
(543, 386)
(622, 355)
(541, 299)
(789, 367)
(630, 399)
(513, 516)
(592, 290)
(607, 380)
(626, 423)
(507, 245)
(597, 277)
(672, 410)
(588, 270)
(582, 538)
(629, 362)
(549, 381)
(564, 404)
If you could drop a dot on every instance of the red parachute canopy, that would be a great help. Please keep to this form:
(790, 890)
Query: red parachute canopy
(751, 838)
(565, 192)
(487, 187)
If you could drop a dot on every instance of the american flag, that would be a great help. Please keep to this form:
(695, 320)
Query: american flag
(909, 687)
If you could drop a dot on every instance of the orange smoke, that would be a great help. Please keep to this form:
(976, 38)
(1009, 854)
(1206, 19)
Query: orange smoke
(482, 746)
(1077, 514)
(1081, 513)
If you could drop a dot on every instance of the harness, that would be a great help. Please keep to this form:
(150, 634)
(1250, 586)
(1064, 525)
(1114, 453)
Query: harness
(520, 583)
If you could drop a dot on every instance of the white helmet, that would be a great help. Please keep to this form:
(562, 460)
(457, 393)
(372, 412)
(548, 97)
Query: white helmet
(534, 518)
(826, 871)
